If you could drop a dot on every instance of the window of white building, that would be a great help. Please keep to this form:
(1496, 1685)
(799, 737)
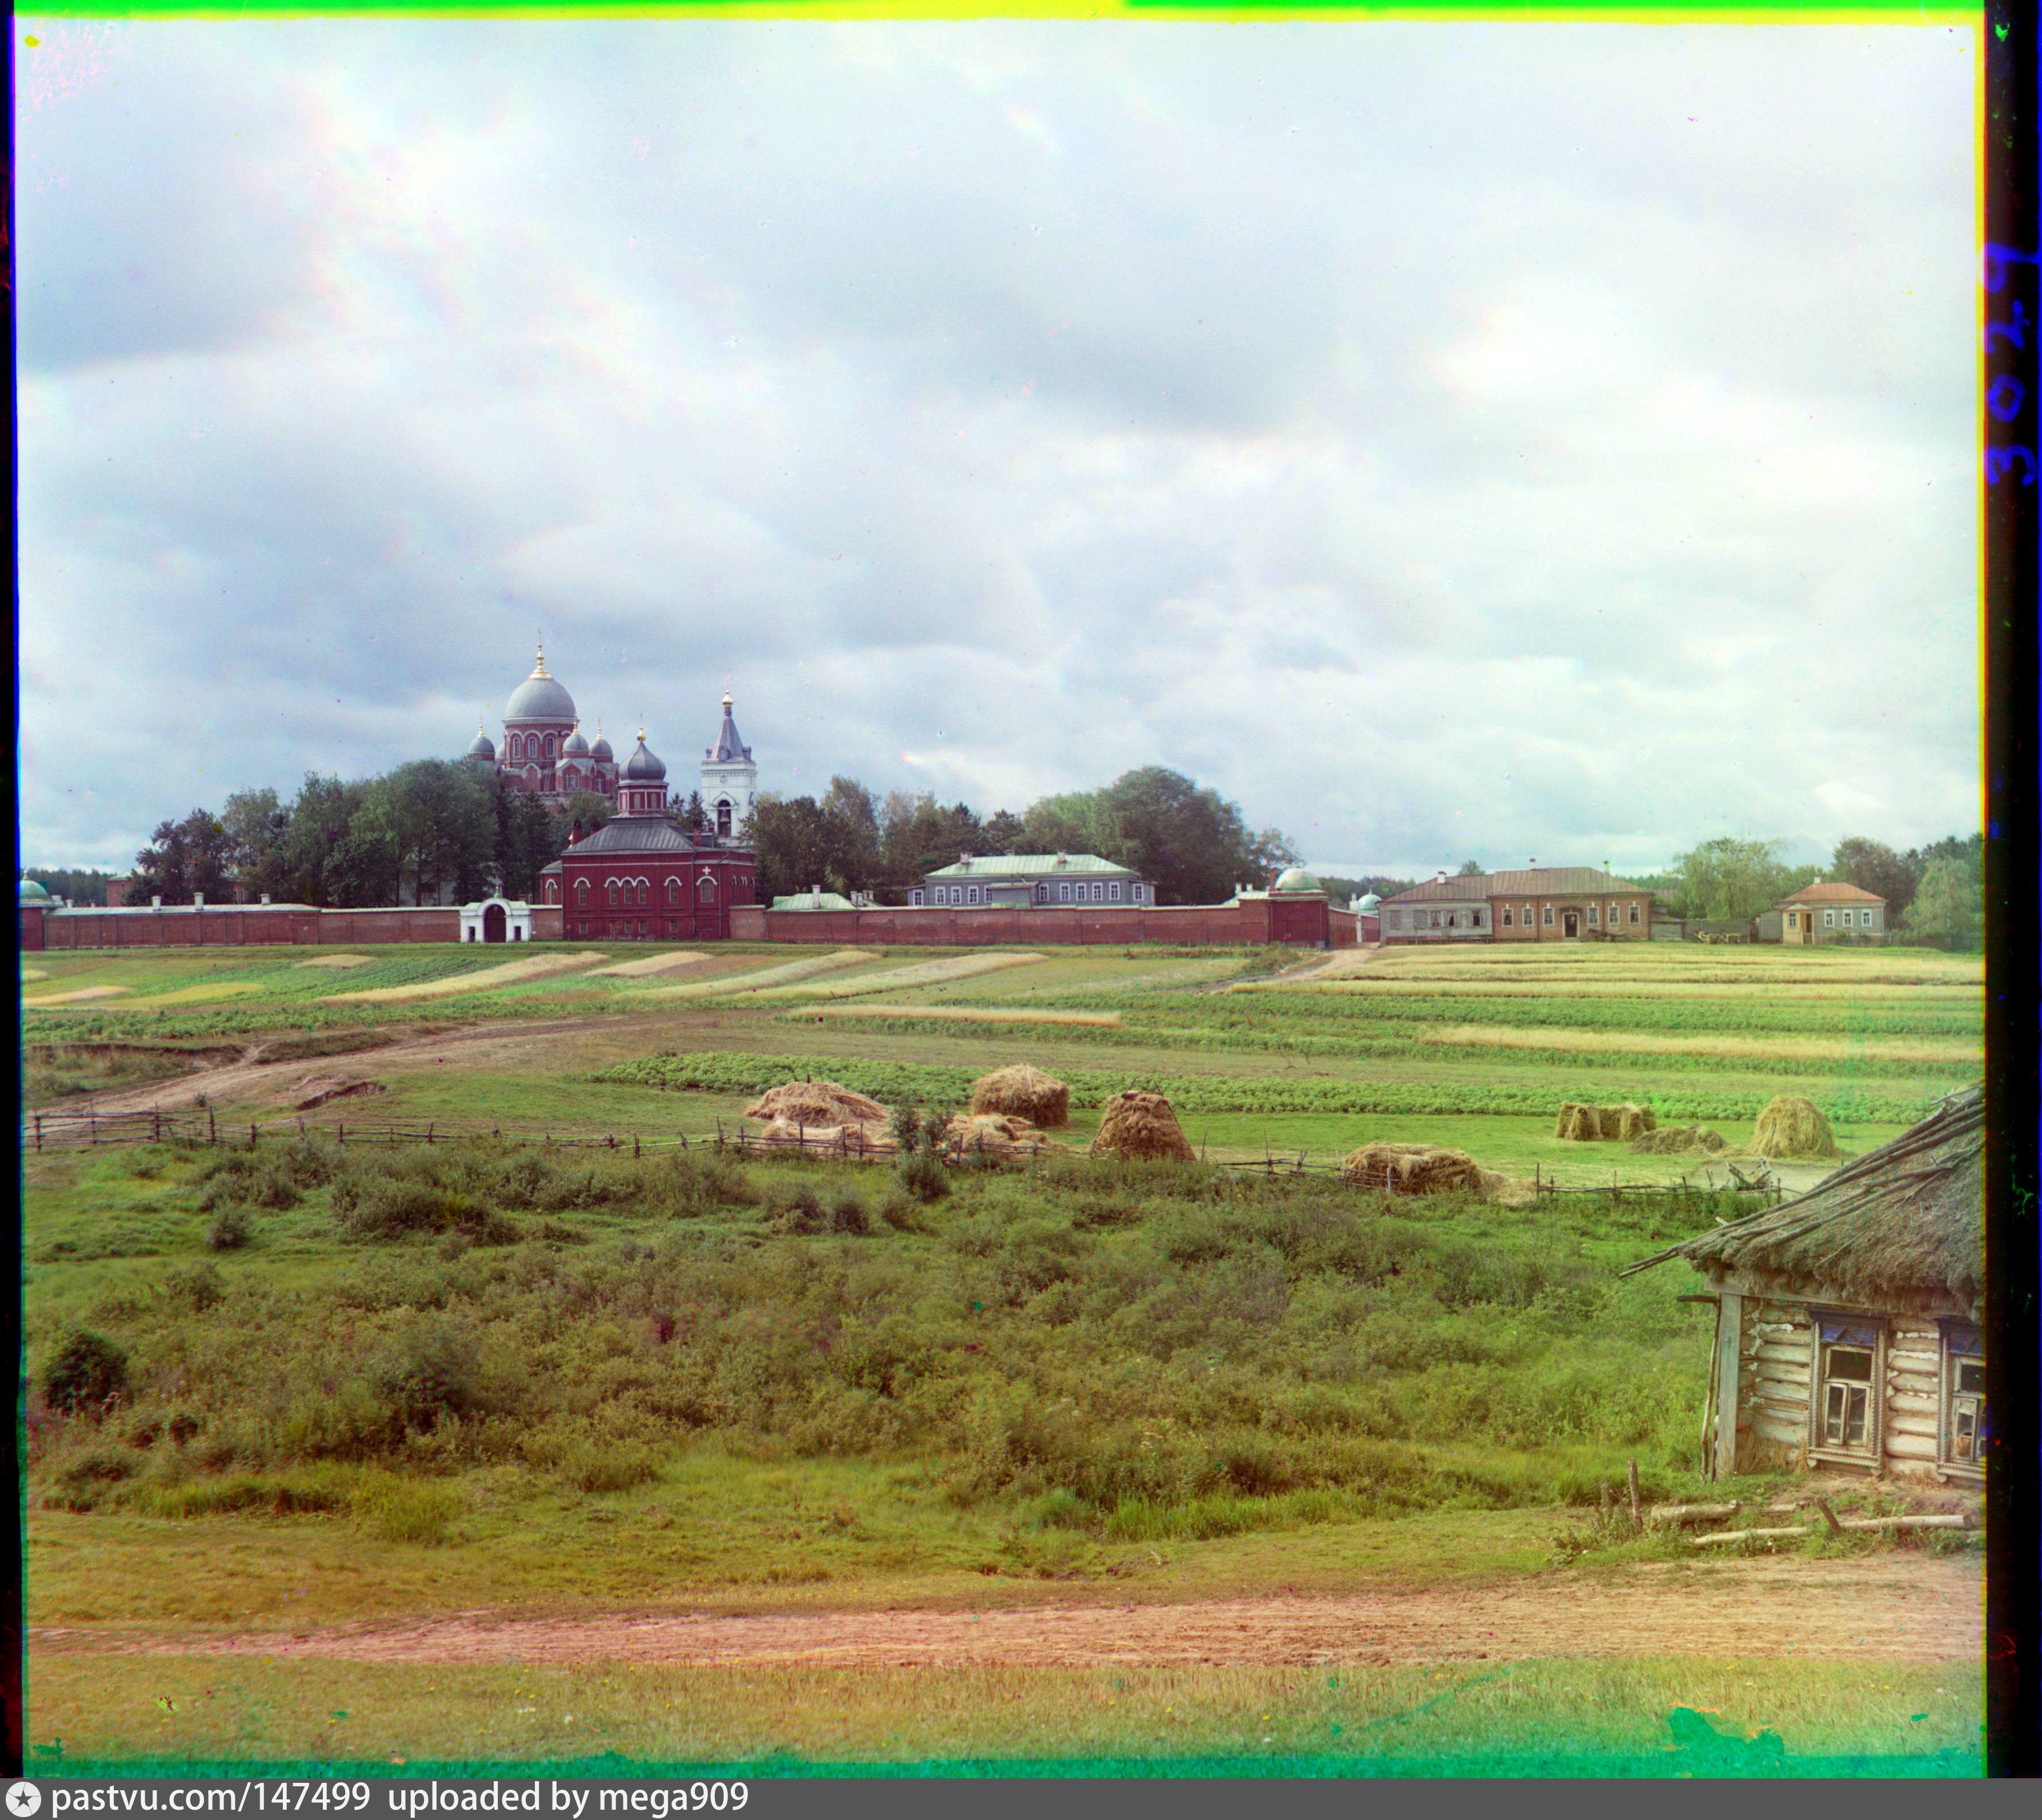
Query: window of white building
(1113, 891)
(971, 895)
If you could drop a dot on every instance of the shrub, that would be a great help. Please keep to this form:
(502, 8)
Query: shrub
(922, 1174)
(197, 1287)
(847, 1214)
(616, 1467)
(87, 1370)
(231, 1229)
(399, 1510)
(899, 1211)
(799, 1208)
(431, 1372)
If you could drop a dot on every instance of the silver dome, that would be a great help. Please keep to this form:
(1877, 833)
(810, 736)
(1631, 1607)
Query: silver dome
(644, 766)
(540, 698)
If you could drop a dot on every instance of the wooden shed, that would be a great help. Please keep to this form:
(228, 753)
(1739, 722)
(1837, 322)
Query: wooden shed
(1847, 1319)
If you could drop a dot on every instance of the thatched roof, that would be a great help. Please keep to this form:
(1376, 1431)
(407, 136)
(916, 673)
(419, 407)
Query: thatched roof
(1902, 1224)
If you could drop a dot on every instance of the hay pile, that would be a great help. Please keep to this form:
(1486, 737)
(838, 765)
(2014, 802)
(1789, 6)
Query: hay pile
(860, 1136)
(1679, 1140)
(992, 1131)
(815, 1102)
(1791, 1128)
(1590, 1124)
(1022, 1092)
(1416, 1169)
(1140, 1125)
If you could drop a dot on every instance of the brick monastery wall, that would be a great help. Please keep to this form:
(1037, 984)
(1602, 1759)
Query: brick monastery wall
(1302, 922)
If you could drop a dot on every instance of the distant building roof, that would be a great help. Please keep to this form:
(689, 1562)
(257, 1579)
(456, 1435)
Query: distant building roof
(813, 901)
(1539, 881)
(1821, 893)
(31, 893)
(633, 834)
(1295, 879)
(1016, 865)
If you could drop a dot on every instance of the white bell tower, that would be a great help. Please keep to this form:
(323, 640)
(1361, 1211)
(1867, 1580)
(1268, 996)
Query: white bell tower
(729, 778)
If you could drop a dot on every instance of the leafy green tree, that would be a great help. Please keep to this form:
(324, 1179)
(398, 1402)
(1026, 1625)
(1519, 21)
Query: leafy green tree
(1735, 876)
(1871, 866)
(791, 838)
(1469, 869)
(1190, 842)
(323, 863)
(1080, 821)
(256, 824)
(591, 808)
(184, 859)
(852, 820)
(438, 825)
(530, 837)
(1947, 907)
(917, 834)
(1004, 832)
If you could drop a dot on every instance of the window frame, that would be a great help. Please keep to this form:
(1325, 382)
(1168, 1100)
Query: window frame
(1545, 920)
(1063, 891)
(1873, 1449)
(971, 894)
(1594, 913)
(1948, 1396)
(1828, 918)
(1113, 891)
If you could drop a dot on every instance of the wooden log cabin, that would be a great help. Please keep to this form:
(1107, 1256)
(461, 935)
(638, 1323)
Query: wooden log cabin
(1847, 1320)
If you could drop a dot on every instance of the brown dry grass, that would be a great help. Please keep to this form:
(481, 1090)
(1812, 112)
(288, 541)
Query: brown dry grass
(533, 967)
(652, 964)
(1023, 1092)
(922, 974)
(1415, 1169)
(337, 961)
(1140, 1125)
(1791, 1127)
(816, 1102)
(1583, 1124)
(79, 997)
(963, 1013)
(763, 977)
(1680, 1140)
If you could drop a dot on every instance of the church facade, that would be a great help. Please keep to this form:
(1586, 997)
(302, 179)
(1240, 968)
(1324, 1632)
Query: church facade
(639, 877)
(545, 753)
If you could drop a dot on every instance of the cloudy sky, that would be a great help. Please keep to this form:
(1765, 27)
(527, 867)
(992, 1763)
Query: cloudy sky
(1449, 441)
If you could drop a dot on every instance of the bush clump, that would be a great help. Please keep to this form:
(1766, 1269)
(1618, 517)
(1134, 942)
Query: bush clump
(231, 1229)
(86, 1371)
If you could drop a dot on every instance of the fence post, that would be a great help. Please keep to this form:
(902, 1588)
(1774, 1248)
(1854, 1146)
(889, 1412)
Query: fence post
(39, 1131)
(340, 1132)
(156, 1127)
(429, 1131)
(634, 1146)
(251, 1134)
(212, 1130)
(93, 1118)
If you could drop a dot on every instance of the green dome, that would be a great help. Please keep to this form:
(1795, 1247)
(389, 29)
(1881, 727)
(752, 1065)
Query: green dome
(1295, 879)
(32, 893)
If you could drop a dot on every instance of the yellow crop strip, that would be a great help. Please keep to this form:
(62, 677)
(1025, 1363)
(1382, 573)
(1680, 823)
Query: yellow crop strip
(1642, 1042)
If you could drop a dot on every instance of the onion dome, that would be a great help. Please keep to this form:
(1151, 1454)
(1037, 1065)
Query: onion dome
(33, 897)
(539, 697)
(600, 751)
(480, 747)
(1294, 878)
(644, 766)
(1368, 900)
(576, 747)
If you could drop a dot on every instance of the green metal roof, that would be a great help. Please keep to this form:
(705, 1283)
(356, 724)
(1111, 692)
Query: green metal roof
(1030, 866)
(813, 901)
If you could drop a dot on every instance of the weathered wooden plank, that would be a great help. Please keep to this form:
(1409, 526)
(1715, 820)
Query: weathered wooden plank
(1694, 1512)
(1784, 1430)
(1913, 1403)
(1748, 1536)
(1925, 1363)
(1770, 1354)
(1729, 1325)
(1911, 1446)
(1902, 1422)
(1904, 1522)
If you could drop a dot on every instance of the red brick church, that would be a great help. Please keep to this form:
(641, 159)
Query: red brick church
(639, 877)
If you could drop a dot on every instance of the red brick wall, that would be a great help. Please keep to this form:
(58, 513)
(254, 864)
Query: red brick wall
(182, 927)
(656, 919)
(1304, 922)
(32, 931)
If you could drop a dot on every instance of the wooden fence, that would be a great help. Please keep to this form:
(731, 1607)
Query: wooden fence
(62, 1130)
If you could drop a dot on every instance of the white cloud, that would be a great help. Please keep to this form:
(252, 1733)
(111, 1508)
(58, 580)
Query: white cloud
(1446, 440)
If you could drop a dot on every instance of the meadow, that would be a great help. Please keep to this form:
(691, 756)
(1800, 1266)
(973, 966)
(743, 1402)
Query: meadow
(374, 1383)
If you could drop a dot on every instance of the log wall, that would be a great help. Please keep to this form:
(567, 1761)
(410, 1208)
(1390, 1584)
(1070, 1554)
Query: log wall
(1776, 1366)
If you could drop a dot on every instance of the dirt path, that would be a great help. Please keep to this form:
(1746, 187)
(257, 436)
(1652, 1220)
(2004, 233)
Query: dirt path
(1889, 1607)
(240, 1083)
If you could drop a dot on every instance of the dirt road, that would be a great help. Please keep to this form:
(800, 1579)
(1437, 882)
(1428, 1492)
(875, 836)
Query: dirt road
(1886, 1608)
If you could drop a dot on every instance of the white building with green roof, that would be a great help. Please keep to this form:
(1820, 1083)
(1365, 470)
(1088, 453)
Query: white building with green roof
(1037, 880)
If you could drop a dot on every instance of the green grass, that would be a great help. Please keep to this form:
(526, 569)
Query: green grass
(1672, 1716)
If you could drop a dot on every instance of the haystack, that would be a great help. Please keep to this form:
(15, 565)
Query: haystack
(1023, 1092)
(1679, 1140)
(1139, 1125)
(1415, 1169)
(816, 1102)
(864, 1138)
(1791, 1128)
(1590, 1124)
(992, 1131)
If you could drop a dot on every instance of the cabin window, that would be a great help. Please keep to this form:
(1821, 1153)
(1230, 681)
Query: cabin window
(1964, 1425)
(1828, 918)
(1113, 891)
(1041, 894)
(1063, 893)
(915, 899)
(1850, 918)
(1435, 915)
(1548, 917)
(1846, 1407)
(1594, 916)
(971, 894)
(1477, 919)
(1507, 923)
(1135, 893)
(1634, 913)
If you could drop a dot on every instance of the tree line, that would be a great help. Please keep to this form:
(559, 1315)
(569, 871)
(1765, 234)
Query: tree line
(1191, 843)
(1934, 894)
(431, 831)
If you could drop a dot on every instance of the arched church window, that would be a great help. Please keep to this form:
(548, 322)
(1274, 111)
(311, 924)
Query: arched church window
(673, 891)
(552, 892)
(549, 747)
(723, 817)
(581, 894)
(707, 890)
(644, 897)
(613, 894)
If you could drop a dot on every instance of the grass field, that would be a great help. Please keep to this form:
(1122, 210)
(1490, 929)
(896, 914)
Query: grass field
(371, 1385)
